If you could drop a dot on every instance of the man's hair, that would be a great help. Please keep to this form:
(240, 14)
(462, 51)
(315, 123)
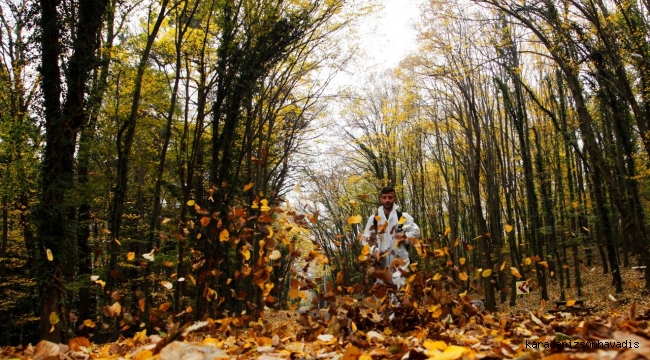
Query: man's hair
(388, 190)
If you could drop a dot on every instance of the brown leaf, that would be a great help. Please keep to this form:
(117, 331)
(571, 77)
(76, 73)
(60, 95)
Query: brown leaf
(77, 343)
(45, 349)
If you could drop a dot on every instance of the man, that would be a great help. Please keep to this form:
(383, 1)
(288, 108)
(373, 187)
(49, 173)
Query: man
(388, 232)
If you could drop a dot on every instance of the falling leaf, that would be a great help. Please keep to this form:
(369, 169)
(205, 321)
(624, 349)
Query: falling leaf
(437, 277)
(248, 186)
(544, 264)
(149, 256)
(94, 277)
(54, 318)
(462, 261)
(515, 272)
(181, 279)
(224, 235)
(275, 254)
(447, 231)
(167, 284)
(325, 337)
(503, 266)
(570, 303)
(191, 203)
(106, 231)
(117, 242)
(354, 219)
(508, 228)
(528, 261)
(463, 276)
(115, 309)
(265, 207)
(401, 220)
(165, 221)
(50, 257)
(89, 323)
(574, 205)
(486, 272)
(130, 256)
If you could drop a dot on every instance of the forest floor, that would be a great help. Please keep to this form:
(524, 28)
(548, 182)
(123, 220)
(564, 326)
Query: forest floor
(615, 326)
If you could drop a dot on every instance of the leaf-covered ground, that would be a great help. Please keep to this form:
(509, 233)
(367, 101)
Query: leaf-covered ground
(615, 327)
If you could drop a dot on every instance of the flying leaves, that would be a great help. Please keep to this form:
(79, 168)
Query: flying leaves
(355, 219)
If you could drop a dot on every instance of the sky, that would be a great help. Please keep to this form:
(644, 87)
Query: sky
(387, 36)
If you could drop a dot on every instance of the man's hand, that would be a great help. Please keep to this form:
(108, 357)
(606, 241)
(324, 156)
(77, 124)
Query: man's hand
(399, 237)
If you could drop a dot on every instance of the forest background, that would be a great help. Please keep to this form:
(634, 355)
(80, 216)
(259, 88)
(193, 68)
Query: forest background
(190, 158)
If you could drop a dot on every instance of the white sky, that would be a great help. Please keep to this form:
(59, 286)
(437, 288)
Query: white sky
(391, 33)
(384, 38)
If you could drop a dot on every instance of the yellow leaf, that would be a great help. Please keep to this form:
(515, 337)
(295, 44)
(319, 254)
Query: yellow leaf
(486, 272)
(434, 345)
(265, 205)
(544, 264)
(503, 266)
(294, 293)
(463, 276)
(50, 257)
(118, 242)
(515, 272)
(463, 294)
(508, 228)
(528, 261)
(570, 303)
(224, 235)
(552, 273)
(130, 256)
(143, 355)
(574, 205)
(54, 318)
(437, 277)
(354, 219)
(248, 186)
(190, 202)
(246, 253)
(188, 309)
(452, 352)
(89, 323)
(462, 261)
(401, 220)
(447, 231)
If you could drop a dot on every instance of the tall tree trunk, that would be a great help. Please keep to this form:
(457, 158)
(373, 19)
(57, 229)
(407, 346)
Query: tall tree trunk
(61, 127)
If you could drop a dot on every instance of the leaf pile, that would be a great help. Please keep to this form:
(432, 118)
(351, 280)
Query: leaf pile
(358, 329)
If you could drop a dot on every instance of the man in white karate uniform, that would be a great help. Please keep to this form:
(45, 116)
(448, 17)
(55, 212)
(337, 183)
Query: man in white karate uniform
(387, 233)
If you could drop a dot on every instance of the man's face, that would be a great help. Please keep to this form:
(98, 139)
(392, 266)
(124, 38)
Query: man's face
(387, 200)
